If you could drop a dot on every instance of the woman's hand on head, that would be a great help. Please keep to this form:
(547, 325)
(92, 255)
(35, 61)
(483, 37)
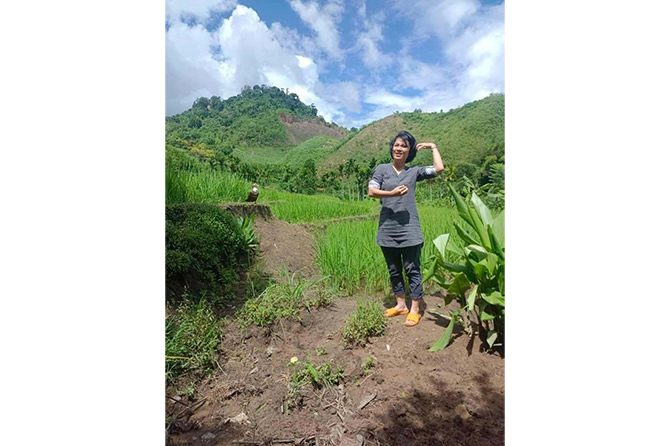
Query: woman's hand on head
(398, 191)
(426, 145)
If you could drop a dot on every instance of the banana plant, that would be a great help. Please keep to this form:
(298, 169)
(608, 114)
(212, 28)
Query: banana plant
(477, 279)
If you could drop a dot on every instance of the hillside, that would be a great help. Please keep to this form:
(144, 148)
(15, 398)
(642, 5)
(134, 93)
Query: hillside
(261, 116)
(465, 135)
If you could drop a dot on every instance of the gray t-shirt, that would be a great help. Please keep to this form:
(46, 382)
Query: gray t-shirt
(399, 225)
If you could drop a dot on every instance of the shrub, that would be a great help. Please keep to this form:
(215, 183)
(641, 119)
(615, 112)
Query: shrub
(367, 321)
(192, 334)
(203, 247)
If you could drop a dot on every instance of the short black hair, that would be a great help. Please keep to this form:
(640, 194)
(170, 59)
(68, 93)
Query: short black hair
(411, 142)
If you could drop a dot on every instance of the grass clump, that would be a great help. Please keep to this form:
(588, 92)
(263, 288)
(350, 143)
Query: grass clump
(306, 373)
(282, 300)
(367, 321)
(368, 364)
(192, 335)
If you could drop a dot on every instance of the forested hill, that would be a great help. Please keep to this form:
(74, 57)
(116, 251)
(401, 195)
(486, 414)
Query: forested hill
(465, 135)
(260, 116)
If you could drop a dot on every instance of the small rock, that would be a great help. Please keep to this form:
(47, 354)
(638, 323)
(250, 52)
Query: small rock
(239, 418)
(379, 380)
(360, 439)
(208, 436)
(177, 398)
(270, 350)
(462, 411)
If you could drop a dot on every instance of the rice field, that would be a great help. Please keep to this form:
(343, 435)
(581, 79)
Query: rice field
(210, 186)
(347, 251)
(207, 186)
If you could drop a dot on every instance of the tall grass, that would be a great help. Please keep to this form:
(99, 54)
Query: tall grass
(208, 186)
(347, 251)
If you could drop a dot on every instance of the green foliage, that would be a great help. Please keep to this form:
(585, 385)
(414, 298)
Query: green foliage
(348, 254)
(465, 136)
(282, 300)
(298, 208)
(248, 233)
(326, 375)
(368, 364)
(367, 321)
(477, 279)
(203, 186)
(192, 334)
(248, 119)
(306, 179)
(203, 245)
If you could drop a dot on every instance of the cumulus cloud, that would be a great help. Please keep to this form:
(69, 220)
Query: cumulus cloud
(249, 53)
(368, 40)
(323, 21)
(198, 10)
(246, 51)
(190, 70)
(472, 38)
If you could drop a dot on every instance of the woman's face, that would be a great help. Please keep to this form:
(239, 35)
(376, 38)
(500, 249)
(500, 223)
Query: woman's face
(400, 150)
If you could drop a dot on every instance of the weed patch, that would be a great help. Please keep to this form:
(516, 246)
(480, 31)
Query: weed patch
(192, 335)
(306, 373)
(282, 300)
(367, 321)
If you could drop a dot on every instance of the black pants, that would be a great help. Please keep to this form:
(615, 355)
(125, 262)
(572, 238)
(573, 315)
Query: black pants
(410, 259)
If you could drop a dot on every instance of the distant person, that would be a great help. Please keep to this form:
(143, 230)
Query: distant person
(399, 234)
(253, 193)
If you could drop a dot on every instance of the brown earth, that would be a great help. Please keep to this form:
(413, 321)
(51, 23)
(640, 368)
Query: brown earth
(300, 130)
(451, 397)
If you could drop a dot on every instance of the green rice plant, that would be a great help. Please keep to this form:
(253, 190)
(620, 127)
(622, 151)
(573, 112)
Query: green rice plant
(479, 271)
(348, 254)
(208, 186)
(300, 208)
(192, 335)
(367, 321)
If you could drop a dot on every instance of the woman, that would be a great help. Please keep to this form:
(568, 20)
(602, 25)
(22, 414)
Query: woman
(399, 234)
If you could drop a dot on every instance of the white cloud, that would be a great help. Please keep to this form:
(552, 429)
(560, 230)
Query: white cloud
(368, 40)
(190, 71)
(323, 20)
(473, 44)
(196, 9)
(250, 53)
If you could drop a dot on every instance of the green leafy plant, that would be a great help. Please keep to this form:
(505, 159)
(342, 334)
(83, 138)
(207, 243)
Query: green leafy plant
(192, 335)
(368, 364)
(477, 281)
(280, 300)
(248, 233)
(326, 375)
(367, 321)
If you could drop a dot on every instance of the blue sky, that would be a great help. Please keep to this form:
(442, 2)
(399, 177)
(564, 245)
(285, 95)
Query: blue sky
(356, 60)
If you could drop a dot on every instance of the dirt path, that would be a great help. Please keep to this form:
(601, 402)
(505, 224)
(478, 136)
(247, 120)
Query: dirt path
(451, 397)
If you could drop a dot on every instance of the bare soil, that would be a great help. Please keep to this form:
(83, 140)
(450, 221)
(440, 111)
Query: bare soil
(451, 397)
